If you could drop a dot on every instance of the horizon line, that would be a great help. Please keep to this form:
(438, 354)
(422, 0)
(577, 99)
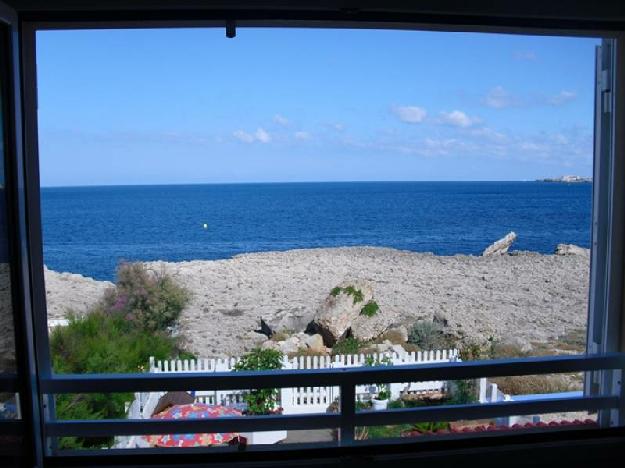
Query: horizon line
(295, 182)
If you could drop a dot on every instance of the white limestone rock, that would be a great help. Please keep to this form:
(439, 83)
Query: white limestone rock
(338, 311)
(571, 249)
(501, 246)
(315, 343)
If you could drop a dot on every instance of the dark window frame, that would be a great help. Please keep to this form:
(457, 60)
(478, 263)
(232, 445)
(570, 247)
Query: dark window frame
(32, 21)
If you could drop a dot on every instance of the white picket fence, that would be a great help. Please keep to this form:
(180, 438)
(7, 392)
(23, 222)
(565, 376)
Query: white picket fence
(298, 400)
(301, 400)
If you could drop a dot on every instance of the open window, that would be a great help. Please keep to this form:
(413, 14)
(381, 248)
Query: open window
(332, 392)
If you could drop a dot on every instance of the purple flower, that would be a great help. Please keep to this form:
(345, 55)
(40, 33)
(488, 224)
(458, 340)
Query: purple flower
(120, 302)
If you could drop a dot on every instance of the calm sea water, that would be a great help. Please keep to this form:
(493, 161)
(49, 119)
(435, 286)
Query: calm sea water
(88, 230)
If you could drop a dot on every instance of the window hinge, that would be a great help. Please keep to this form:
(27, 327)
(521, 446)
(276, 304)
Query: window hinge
(607, 101)
(606, 91)
(605, 80)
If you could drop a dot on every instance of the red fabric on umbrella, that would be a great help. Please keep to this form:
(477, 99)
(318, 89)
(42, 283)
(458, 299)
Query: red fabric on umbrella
(193, 411)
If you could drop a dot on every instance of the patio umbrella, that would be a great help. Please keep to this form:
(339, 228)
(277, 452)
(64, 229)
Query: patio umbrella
(193, 411)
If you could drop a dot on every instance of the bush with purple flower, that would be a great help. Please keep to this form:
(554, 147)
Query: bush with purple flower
(151, 299)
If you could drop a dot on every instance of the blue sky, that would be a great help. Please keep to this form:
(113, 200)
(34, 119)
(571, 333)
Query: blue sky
(190, 106)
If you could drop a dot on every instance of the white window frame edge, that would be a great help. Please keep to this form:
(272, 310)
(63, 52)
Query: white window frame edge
(605, 307)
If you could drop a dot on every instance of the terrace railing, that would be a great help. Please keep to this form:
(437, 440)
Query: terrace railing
(347, 379)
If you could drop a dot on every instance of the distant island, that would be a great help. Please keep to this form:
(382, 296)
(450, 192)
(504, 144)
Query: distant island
(568, 179)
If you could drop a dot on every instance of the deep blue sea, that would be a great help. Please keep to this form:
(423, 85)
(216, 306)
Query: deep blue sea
(88, 230)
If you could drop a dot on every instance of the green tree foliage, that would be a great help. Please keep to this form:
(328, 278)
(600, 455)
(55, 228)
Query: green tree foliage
(115, 337)
(100, 342)
(427, 335)
(347, 345)
(464, 392)
(151, 299)
(384, 391)
(262, 400)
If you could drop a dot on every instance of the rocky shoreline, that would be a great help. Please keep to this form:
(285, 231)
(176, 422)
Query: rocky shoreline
(521, 297)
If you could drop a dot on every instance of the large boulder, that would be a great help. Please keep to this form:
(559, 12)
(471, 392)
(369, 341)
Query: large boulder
(501, 246)
(571, 249)
(254, 338)
(286, 321)
(368, 328)
(315, 343)
(397, 334)
(289, 346)
(340, 310)
(296, 343)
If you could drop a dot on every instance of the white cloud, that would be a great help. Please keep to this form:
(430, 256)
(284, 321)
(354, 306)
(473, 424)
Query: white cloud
(410, 114)
(572, 146)
(280, 120)
(489, 134)
(262, 136)
(439, 146)
(302, 135)
(498, 98)
(458, 119)
(243, 136)
(532, 146)
(562, 97)
(259, 135)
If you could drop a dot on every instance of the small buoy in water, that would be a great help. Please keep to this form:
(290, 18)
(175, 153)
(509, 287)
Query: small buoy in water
(205, 226)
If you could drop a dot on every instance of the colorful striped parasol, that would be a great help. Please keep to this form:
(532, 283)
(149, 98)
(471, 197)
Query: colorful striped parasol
(193, 411)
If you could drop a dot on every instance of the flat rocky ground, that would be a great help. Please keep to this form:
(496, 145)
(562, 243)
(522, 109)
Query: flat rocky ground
(70, 291)
(524, 298)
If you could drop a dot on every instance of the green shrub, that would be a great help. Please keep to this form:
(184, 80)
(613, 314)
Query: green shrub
(263, 400)
(383, 388)
(88, 407)
(370, 309)
(118, 336)
(385, 432)
(431, 426)
(101, 343)
(372, 360)
(362, 405)
(396, 404)
(472, 351)
(347, 345)
(465, 392)
(397, 430)
(427, 335)
(151, 299)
